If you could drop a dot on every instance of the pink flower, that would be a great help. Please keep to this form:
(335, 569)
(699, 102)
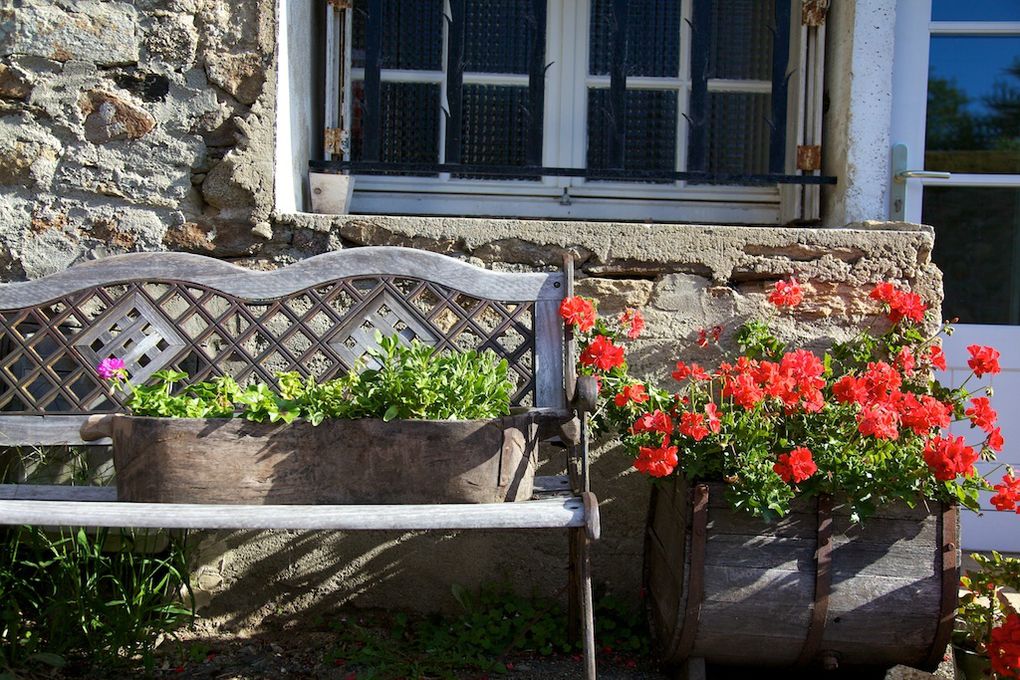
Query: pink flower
(112, 369)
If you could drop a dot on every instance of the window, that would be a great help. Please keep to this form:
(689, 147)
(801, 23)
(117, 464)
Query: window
(680, 110)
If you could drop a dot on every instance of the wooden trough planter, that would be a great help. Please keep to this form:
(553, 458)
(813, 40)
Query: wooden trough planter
(729, 588)
(368, 461)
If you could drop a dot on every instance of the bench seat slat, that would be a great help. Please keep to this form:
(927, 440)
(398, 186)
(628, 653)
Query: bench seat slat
(555, 513)
(58, 492)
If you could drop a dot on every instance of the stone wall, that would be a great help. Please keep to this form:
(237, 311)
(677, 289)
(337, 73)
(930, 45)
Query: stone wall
(149, 125)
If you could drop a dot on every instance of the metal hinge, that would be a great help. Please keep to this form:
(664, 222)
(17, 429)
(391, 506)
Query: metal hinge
(341, 4)
(812, 12)
(336, 141)
(809, 157)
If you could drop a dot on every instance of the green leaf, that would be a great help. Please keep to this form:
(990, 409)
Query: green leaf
(391, 413)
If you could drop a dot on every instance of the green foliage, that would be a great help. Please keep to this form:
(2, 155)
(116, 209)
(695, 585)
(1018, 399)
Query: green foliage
(411, 381)
(980, 608)
(492, 624)
(91, 597)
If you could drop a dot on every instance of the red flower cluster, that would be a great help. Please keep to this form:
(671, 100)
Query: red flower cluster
(683, 371)
(936, 357)
(656, 421)
(657, 461)
(982, 414)
(796, 466)
(787, 293)
(902, 304)
(949, 457)
(1004, 648)
(796, 381)
(578, 311)
(602, 354)
(884, 408)
(631, 393)
(1007, 494)
(633, 321)
(983, 360)
(697, 426)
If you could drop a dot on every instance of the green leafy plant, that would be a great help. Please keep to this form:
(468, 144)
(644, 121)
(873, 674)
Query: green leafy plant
(91, 598)
(865, 420)
(408, 381)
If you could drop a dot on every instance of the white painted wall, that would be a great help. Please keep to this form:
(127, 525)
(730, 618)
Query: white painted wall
(298, 101)
(859, 89)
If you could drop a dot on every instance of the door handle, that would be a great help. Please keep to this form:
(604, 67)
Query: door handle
(904, 175)
(900, 175)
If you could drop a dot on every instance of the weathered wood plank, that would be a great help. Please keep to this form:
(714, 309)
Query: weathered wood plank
(54, 430)
(55, 492)
(256, 285)
(541, 514)
(549, 385)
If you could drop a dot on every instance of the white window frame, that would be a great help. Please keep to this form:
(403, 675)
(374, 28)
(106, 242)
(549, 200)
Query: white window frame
(565, 139)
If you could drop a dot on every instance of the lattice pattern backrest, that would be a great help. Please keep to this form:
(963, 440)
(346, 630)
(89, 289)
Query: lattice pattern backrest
(48, 351)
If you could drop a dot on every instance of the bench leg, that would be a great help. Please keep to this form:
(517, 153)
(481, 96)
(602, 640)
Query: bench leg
(582, 606)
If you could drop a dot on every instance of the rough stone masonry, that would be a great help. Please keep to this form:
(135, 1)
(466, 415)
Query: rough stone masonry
(148, 125)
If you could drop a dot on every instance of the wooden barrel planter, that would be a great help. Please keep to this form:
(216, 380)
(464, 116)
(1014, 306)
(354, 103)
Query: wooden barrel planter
(234, 461)
(810, 589)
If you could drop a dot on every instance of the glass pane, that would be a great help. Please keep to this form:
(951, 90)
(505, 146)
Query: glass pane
(651, 130)
(738, 132)
(975, 10)
(653, 37)
(974, 104)
(410, 122)
(496, 120)
(742, 39)
(412, 34)
(977, 247)
(498, 36)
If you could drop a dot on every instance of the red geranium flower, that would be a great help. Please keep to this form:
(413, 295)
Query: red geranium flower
(949, 457)
(1007, 494)
(787, 293)
(602, 354)
(796, 466)
(880, 420)
(924, 413)
(849, 389)
(982, 414)
(633, 321)
(657, 461)
(1004, 648)
(744, 390)
(905, 361)
(683, 371)
(712, 416)
(995, 441)
(635, 393)
(902, 304)
(656, 421)
(693, 425)
(937, 357)
(983, 360)
(578, 311)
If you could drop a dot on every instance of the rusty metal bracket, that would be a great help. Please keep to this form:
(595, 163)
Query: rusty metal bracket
(809, 157)
(813, 12)
(823, 582)
(336, 140)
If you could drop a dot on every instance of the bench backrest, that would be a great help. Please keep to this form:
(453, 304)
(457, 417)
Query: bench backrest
(207, 317)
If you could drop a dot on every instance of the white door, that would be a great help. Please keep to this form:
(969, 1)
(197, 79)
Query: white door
(956, 108)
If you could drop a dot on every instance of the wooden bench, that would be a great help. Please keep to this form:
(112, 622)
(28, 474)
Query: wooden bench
(207, 317)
